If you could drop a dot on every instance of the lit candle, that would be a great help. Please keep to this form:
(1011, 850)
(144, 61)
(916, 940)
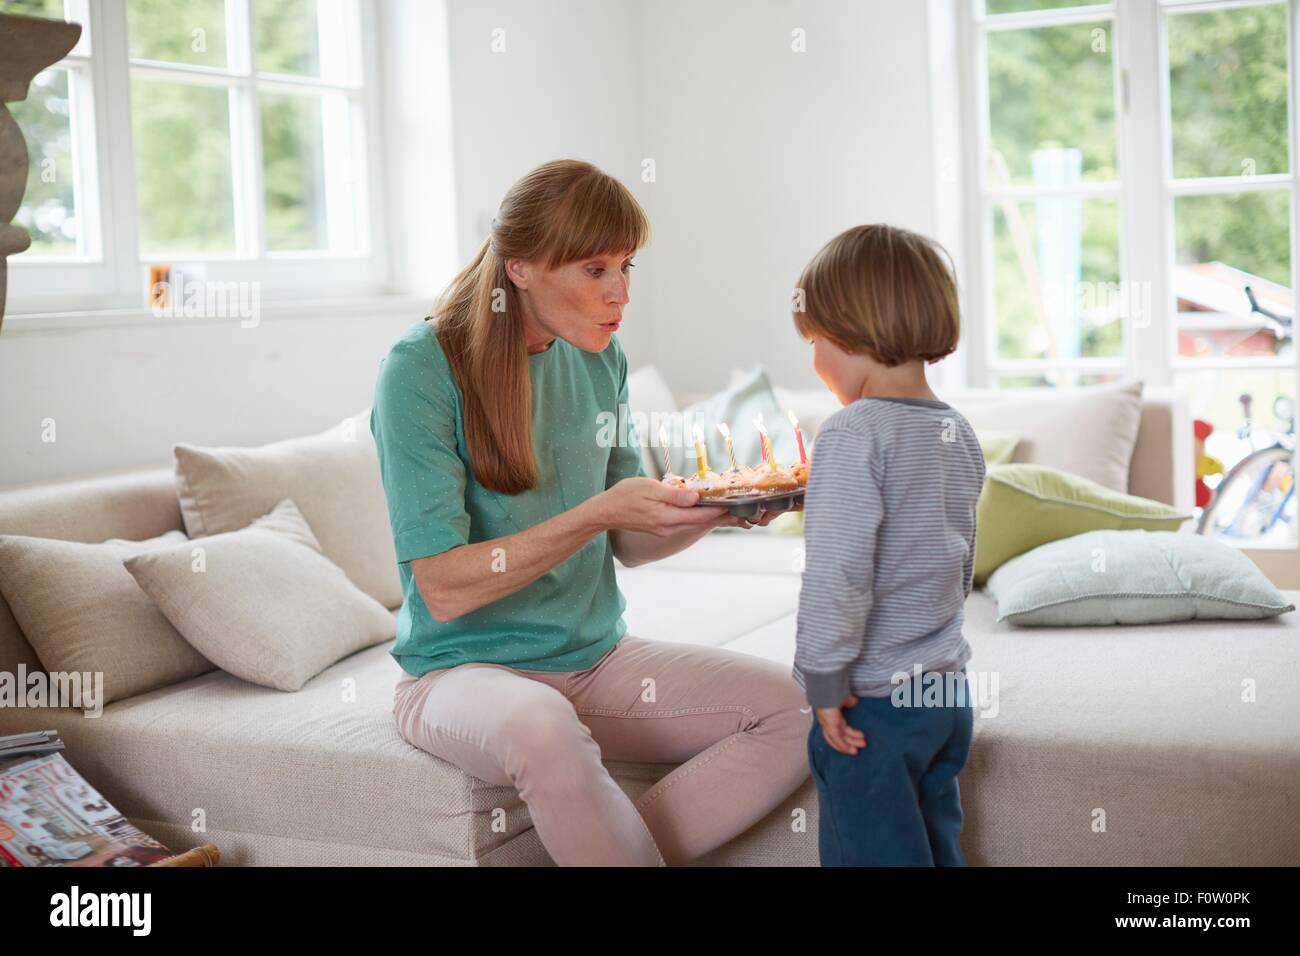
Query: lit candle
(768, 458)
(663, 440)
(798, 436)
(700, 453)
(731, 452)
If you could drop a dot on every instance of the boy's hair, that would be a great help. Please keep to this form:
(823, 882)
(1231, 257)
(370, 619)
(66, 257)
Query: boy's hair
(882, 290)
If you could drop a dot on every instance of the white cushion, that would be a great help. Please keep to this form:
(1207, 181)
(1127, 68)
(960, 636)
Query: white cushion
(82, 612)
(264, 604)
(332, 477)
(811, 406)
(1088, 431)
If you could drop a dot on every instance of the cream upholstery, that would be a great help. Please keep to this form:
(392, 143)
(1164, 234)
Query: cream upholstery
(1143, 723)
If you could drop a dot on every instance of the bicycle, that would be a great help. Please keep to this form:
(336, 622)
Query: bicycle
(1254, 498)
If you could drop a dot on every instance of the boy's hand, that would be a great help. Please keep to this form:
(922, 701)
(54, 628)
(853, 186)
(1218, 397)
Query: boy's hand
(837, 731)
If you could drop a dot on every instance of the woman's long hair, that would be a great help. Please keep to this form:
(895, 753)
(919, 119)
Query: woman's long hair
(561, 212)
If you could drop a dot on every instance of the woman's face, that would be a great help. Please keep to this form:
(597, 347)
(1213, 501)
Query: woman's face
(580, 302)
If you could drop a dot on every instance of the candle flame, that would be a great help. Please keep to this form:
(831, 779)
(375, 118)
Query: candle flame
(758, 423)
(793, 421)
(699, 433)
(663, 435)
(722, 427)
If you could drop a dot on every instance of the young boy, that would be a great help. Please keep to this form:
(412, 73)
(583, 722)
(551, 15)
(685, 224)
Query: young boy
(889, 531)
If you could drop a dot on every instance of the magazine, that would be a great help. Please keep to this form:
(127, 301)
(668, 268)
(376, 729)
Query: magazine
(50, 816)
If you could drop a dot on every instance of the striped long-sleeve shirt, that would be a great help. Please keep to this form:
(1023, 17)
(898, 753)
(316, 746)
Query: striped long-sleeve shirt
(889, 537)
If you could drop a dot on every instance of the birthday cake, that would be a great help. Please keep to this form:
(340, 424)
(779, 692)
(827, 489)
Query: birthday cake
(743, 481)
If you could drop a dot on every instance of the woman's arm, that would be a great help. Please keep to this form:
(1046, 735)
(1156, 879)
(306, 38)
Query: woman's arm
(467, 577)
(636, 547)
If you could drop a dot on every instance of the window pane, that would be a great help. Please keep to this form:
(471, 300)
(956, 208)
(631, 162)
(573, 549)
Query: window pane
(1224, 244)
(288, 37)
(1056, 279)
(49, 210)
(1263, 506)
(294, 172)
(178, 31)
(1227, 90)
(1029, 70)
(50, 9)
(1019, 6)
(1057, 378)
(182, 164)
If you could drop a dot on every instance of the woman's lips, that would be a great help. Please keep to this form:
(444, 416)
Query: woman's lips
(611, 326)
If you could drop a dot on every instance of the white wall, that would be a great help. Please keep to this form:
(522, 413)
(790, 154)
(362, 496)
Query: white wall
(566, 86)
(121, 394)
(761, 156)
(764, 154)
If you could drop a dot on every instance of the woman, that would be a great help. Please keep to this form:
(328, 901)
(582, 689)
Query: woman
(507, 512)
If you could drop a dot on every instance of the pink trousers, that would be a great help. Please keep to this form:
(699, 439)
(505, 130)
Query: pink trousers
(737, 725)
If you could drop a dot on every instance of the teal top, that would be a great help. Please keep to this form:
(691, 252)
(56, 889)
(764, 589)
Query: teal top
(572, 615)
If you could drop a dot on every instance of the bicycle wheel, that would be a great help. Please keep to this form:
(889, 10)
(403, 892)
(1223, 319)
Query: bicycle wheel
(1256, 498)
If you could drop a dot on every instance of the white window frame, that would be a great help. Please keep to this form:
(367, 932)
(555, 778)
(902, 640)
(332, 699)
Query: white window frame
(1146, 189)
(982, 199)
(113, 276)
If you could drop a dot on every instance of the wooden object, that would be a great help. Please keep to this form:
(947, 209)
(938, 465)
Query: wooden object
(27, 46)
(206, 855)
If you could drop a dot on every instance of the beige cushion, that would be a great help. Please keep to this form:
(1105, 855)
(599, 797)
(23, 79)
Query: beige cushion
(81, 611)
(1088, 431)
(332, 477)
(263, 603)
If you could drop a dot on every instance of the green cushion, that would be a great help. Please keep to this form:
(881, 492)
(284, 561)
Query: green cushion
(1023, 506)
(998, 447)
(1133, 577)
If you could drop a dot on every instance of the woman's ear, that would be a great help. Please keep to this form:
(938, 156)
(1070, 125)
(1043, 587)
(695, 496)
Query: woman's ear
(517, 270)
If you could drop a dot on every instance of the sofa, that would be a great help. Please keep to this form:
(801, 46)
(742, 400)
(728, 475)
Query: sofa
(1107, 745)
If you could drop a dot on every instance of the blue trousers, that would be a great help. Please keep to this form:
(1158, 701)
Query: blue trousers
(896, 802)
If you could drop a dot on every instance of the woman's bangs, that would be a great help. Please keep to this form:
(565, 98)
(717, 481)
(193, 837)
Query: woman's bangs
(604, 220)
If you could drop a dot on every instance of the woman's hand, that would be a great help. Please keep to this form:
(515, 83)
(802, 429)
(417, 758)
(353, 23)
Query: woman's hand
(761, 520)
(644, 504)
(650, 506)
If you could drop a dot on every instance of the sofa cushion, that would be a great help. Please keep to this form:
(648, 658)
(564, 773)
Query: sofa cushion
(265, 604)
(332, 477)
(998, 447)
(1024, 506)
(82, 612)
(747, 396)
(1132, 577)
(1088, 431)
(134, 506)
(811, 406)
